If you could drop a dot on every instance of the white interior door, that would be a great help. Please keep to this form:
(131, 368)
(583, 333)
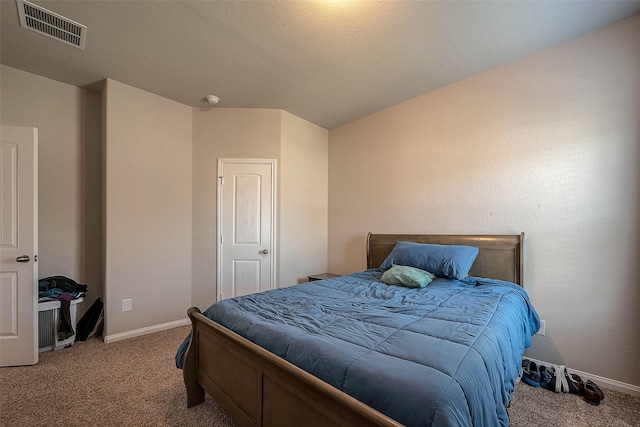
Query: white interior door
(246, 226)
(19, 244)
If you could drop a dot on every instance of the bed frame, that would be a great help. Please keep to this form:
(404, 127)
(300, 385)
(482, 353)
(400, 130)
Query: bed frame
(257, 388)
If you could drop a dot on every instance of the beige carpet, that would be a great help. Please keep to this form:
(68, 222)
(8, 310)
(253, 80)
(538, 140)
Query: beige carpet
(135, 383)
(533, 406)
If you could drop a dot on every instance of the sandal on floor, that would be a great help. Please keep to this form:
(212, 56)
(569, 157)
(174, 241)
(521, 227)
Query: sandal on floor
(558, 381)
(569, 383)
(545, 375)
(530, 374)
(576, 385)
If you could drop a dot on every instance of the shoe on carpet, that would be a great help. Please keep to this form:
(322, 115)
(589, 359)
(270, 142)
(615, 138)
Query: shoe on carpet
(576, 385)
(558, 381)
(592, 393)
(530, 374)
(545, 375)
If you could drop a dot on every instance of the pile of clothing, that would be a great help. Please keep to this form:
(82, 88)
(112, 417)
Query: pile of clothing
(59, 288)
(65, 290)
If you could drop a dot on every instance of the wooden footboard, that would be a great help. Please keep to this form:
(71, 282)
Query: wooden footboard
(257, 388)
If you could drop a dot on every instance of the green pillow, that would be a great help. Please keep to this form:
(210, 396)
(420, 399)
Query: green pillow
(409, 277)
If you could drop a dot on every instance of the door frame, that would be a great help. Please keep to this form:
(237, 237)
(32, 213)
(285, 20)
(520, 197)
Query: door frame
(219, 207)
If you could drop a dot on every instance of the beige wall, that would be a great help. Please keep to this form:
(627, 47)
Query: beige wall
(69, 217)
(300, 149)
(549, 145)
(303, 200)
(148, 214)
(222, 133)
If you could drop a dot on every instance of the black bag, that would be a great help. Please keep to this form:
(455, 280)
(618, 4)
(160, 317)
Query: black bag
(90, 321)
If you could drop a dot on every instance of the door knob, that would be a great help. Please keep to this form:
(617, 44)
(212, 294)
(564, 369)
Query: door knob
(23, 258)
(265, 251)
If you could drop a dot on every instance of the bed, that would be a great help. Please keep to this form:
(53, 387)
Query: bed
(353, 351)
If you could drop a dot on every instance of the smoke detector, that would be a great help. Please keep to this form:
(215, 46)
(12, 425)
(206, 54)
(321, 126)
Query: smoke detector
(43, 21)
(212, 99)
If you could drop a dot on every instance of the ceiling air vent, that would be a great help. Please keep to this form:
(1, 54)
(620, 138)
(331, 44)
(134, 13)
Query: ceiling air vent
(51, 24)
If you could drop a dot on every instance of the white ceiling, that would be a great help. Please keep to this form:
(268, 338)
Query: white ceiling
(327, 61)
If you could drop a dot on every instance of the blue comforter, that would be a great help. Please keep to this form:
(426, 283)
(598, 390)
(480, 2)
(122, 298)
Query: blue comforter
(445, 355)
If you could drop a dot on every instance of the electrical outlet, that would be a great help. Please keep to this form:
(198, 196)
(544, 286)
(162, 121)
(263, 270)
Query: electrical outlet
(127, 304)
(542, 329)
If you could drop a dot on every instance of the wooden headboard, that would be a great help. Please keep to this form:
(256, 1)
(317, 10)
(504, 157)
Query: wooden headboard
(500, 257)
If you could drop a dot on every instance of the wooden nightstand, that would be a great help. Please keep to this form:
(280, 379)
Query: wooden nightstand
(322, 276)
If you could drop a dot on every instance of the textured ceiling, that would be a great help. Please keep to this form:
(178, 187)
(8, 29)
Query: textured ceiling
(329, 62)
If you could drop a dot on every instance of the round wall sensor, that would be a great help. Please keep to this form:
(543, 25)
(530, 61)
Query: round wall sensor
(212, 99)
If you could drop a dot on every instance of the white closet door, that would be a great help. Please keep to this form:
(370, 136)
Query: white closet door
(246, 218)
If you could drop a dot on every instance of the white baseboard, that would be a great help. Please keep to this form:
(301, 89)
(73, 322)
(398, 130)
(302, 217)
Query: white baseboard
(146, 330)
(631, 389)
